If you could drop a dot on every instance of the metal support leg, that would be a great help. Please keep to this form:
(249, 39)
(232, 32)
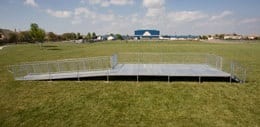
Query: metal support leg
(231, 72)
(108, 76)
(78, 72)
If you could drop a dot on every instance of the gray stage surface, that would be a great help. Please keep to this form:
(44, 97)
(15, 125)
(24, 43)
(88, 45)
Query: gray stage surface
(170, 70)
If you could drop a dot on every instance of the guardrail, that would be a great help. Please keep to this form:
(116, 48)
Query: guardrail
(61, 66)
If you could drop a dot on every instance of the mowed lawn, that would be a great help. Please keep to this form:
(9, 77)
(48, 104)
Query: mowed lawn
(118, 103)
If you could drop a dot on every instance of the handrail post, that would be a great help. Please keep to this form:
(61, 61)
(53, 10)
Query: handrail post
(221, 63)
(78, 71)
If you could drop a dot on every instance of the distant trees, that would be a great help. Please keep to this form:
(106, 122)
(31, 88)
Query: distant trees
(93, 35)
(119, 37)
(69, 36)
(90, 37)
(37, 33)
(52, 36)
(204, 37)
(24, 36)
(13, 37)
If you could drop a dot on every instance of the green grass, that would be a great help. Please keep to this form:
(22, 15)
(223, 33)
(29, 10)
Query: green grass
(96, 103)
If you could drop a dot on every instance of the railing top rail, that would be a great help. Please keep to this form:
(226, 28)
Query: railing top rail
(63, 60)
(168, 53)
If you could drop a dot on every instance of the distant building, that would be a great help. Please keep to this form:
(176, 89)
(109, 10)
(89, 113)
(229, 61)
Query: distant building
(252, 37)
(100, 38)
(4, 34)
(184, 37)
(147, 34)
(232, 37)
(110, 38)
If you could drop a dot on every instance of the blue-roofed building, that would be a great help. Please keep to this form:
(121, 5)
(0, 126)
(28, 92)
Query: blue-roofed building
(147, 34)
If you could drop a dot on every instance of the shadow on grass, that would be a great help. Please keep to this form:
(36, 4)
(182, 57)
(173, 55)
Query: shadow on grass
(53, 49)
(150, 78)
(49, 46)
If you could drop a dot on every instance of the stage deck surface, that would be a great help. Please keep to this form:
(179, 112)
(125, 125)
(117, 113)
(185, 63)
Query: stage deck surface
(170, 70)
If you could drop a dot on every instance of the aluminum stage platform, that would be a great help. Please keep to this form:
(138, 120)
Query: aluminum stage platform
(138, 70)
(125, 65)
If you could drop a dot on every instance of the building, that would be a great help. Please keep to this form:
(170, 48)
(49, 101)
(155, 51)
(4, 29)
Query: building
(2, 36)
(147, 34)
(5, 35)
(184, 37)
(232, 37)
(251, 37)
(110, 38)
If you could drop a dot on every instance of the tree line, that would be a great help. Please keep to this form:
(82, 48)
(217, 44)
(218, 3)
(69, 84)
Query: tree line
(37, 34)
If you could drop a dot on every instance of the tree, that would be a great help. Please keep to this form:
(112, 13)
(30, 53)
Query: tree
(13, 37)
(88, 37)
(221, 36)
(24, 36)
(119, 37)
(94, 36)
(52, 36)
(37, 33)
(79, 36)
(204, 37)
(69, 36)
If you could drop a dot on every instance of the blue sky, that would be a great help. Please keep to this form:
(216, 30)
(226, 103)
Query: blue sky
(124, 16)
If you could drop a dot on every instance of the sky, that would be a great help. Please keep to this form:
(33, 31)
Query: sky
(171, 17)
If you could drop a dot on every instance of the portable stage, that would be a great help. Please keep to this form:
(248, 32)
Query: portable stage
(137, 66)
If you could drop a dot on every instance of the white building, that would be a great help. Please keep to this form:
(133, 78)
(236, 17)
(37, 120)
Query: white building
(232, 37)
(109, 38)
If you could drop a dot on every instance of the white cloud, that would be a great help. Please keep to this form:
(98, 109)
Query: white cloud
(154, 7)
(154, 12)
(121, 2)
(84, 13)
(221, 16)
(106, 3)
(250, 20)
(31, 3)
(186, 16)
(153, 3)
(59, 14)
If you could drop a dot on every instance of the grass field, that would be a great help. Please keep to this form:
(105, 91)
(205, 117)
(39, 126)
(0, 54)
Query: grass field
(96, 103)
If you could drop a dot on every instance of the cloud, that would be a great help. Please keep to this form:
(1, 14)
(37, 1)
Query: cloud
(59, 14)
(153, 3)
(250, 20)
(154, 7)
(221, 16)
(154, 12)
(121, 2)
(84, 13)
(30, 3)
(106, 3)
(186, 16)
